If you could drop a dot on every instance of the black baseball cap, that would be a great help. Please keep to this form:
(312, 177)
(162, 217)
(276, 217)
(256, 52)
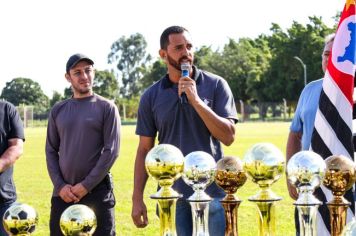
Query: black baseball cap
(74, 59)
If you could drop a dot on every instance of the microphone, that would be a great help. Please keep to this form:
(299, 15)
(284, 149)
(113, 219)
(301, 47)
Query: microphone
(184, 67)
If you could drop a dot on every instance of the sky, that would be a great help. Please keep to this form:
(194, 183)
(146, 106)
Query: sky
(38, 36)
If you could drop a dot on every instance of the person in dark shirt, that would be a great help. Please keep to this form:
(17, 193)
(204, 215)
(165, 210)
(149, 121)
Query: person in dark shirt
(193, 113)
(11, 148)
(83, 139)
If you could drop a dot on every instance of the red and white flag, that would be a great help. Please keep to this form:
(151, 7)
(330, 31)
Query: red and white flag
(332, 134)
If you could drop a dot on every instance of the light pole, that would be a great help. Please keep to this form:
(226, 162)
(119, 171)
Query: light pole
(305, 69)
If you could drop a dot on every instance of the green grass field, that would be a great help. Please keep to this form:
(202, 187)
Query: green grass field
(34, 186)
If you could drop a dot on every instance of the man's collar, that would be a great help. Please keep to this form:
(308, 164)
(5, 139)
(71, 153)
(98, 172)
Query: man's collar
(167, 83)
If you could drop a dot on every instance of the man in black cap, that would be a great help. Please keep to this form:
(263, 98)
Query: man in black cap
(83, 139)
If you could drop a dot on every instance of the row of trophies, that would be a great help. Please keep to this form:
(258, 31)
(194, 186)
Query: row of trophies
(76, 220)
(264, 164)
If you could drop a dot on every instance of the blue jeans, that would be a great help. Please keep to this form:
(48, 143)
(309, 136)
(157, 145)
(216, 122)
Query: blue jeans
(184, 224)
(3, 208)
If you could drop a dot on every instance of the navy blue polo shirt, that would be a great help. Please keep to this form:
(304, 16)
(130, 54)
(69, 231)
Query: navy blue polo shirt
(10, 127)
(161, 112)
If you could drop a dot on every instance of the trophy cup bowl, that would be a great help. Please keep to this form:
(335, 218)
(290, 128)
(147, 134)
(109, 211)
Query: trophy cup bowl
(264, 165)
(78, 220)
(306, 170)
(339, 177)
(198, 173)
(20, 219)
(230, 176)
(165, 163)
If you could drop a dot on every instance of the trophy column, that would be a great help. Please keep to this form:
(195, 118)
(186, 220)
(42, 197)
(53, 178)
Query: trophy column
(266, 216)
(167, 214)
(230, 176)
(165, 164)
(200, 215)
(264, 164)
(198, 173)
(231, 216)
(307, 218)
(305, 171)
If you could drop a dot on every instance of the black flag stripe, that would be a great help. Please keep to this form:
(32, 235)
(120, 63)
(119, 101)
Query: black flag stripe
(319, 146)
(341, 129)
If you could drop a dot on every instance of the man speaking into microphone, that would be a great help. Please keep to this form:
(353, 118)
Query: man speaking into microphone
(194, 111)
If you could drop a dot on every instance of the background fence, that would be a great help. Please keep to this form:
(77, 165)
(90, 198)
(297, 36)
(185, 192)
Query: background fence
(247, 111)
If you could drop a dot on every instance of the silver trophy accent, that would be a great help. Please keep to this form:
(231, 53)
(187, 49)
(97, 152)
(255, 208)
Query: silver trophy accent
(306, 170)
(198, 173)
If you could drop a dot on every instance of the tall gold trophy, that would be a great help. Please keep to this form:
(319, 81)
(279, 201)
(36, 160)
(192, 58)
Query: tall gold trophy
(78, 220)
(230, 176)
(264, 164)
(165, 163)
(306, 170)
(20, 219)
(198, 173)
(340, 176)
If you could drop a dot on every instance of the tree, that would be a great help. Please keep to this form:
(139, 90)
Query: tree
(25, 91)
(56, 97)
(241, 63)
(245, 62)
(105, 84)
(68, 92)
(284, 77)
(130, 58)
(204, 58)
(155, 72)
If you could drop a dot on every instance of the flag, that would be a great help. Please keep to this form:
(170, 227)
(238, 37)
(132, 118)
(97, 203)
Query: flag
(332, 134)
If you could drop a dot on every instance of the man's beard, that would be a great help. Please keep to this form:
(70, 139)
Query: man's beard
(82, 91)
(176, 64)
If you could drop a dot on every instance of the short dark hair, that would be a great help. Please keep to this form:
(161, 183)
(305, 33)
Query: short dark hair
(164, 41)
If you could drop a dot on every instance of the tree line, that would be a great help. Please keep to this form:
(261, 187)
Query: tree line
(258, 70)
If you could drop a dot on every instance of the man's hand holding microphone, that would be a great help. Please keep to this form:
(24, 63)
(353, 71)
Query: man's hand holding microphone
(187, 89)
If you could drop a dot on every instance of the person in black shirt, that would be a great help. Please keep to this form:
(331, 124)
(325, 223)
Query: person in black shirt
(11, 148)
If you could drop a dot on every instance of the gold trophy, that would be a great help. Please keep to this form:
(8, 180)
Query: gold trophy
(306, 170)
(20, 219)
(340, 176)
(198, 173)
(165, 163)
(78, 220)
(264, 164)
(230, 176)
